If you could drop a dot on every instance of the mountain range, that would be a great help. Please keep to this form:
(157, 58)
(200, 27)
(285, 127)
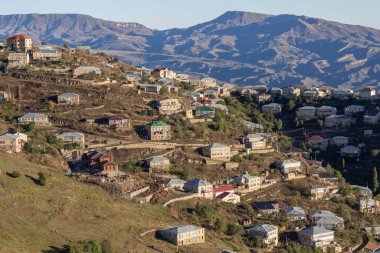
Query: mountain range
(237, 47)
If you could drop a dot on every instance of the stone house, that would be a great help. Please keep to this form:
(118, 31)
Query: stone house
(87, 70)
(17, 60)
(183, 235)
(325, 111)
(205, 112)
(318, 142)
(175, 183)
(158, 163)
(272, 108)
(291, 92)
(72, 137)
(369, 205)
(208, 82)
(38, 118)
(339, 141)
(217, 151)
(353, 109)
(248, 182)
(307, 113)
(367, 93)
(200, 186)
(169, 106)
(267, 207)
(326, 219)
(158, 131)
(350, 151)
(290, 165)
(267, 233)
(68, 98)
(13, 143)
(316, 237)
(338, 121)
(47, 55)
(119, 122)
(295, 213)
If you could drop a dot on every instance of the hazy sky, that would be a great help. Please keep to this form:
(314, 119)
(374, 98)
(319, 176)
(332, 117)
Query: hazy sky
(162, 14)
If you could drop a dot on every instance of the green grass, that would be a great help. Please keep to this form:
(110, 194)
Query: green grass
(36, 218)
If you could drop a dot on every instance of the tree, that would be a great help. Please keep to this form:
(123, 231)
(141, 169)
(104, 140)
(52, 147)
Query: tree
(233, 229)
(375, 181)
(164, 90)
(14, 174)
(279, 125)
(44, 43)
(291, 105)
(220, 225)
(31, 127)
(320, 123)
(248, 98)
(42, 178)
(344, 212)
(90, 246)
(343, 163)
(66, 45)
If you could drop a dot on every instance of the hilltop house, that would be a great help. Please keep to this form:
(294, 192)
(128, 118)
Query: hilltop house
(151, 88)
(248, 182)
(290, 166)
(307, 113)
(338, 121)
(325, 111)
(318, 142)
(310, 94)
(217, 151)
(322, 192)
(169, 106)
(164, 72)
(272, 108)
(19, 42)
(72, 137)
(119, 122)
(205, 112)
(275, 91)
(200, 186)
(17, 60)
(47, 55)
(175, 183)
(367, 93)
(183, 235)
(133, 78)
(342, 93)
(353, 109)
(208, 82)
(291, 92)
(83, 70)
(327, 219)
(339, 141)
(267, 207)
(158, 163)
(261, 97)
(267, 233)
(83, 49)
(13, 143)
(350, 151)
(316, 237)
(38, 118)
(158, 131)
(369, 205)
(68, 98)
(102, 163)
(295, 213)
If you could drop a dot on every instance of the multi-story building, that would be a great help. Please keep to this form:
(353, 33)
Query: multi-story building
(100, 162)
(208, 82)
(17, 60)
(372, 117)
(338, 121)
(325, 111)
(68, 98)
(272, 108)
(295, 213)
(339, 141)
(169, 106)
(119, 122)
(72, 137)
(266, 232)
(38, 118)
(291, 92)
(350, 151)
(319, 192)
(276, 91)
(342, 93)
(183, 235)
(353, 109)
(21, 43)
(318, 142)
(327, 219)
(158, 163)
(205, 112)
(217, 151)
(290, 166)
(307, 113)
(248, 182)
(369, 205)
(13, 142)
(47, 55)
(200, 186)
(316, 236)
(158, 131)
(367, 93)
(164, 72)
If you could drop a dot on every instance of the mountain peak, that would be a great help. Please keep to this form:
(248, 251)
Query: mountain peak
(240, 18)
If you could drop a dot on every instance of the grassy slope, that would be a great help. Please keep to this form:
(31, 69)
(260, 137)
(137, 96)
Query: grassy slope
(35, 218)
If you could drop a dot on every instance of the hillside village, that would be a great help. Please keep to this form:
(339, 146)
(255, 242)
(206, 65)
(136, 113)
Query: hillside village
(262, 170)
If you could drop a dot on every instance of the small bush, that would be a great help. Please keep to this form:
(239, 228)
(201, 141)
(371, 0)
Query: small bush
(42, 178)
(14, 174)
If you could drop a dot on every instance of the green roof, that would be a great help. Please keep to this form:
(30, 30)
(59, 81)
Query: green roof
(205, 109)
(156, 123)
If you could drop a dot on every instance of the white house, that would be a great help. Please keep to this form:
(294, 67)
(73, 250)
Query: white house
(290, 165)
(266, 232)
(316, 236)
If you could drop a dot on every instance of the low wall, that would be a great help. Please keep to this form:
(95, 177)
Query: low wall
(192, 196)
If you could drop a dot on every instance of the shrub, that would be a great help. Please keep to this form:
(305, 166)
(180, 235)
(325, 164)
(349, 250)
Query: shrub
(14, 174)
(89, 246)
(42, 178)
(233, 229)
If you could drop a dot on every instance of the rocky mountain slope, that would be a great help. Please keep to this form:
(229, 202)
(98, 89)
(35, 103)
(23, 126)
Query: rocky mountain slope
(239, 47)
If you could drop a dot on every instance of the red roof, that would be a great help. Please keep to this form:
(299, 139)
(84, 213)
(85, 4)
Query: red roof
(316, 138)
(372, 246)
(225, 188)
(119, 117)
(19, 37)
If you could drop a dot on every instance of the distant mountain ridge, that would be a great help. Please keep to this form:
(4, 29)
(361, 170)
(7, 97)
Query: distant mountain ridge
(239, 47)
